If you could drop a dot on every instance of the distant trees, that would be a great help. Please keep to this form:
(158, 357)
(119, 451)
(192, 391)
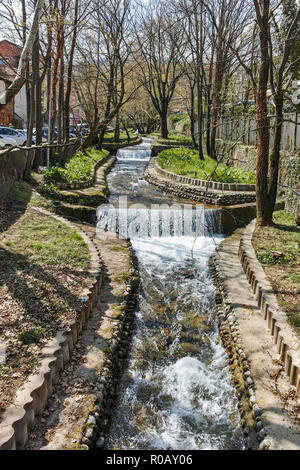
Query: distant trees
(160, 42)
(103, 68)
(124, 62)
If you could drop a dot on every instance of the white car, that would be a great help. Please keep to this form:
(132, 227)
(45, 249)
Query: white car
(6, 142)
(18, 137)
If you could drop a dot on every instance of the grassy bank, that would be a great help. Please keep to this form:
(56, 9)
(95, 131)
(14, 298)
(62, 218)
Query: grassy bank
(183, 161)
(176, 138)
(77, 169)
(278, 250)
(110, 137)
(43, 271)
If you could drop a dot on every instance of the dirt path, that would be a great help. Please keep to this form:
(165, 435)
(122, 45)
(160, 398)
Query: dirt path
(61, 424)
(274, 394)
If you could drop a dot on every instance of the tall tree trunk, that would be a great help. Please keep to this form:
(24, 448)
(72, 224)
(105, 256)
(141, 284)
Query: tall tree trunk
(263, 207)
(38, 100)
(208, 128)
(117, 128)
(218, 79)
(70, 71)
(60, 120)
(164, 133)
(192, 115)
(275, 154)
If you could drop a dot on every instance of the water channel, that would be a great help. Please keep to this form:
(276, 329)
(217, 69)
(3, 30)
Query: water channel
(176, 391)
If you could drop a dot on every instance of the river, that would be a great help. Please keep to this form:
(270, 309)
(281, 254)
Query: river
(176, 391)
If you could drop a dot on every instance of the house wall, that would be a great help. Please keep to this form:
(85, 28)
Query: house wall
(20, 105)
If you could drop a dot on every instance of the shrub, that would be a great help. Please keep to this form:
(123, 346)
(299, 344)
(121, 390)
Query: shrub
(178, 117)
(78, 168)
(31, 336)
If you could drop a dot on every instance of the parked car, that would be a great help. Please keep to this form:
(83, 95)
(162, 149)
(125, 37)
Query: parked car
(18, 137)
(6, 142)
(44, 135)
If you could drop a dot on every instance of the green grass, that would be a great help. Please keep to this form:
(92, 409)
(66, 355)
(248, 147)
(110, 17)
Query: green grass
(49, 242)
(184, 161)
(175, 118)
(110, 137)
(31, 336)
(282, 269)
(77, 169)
(175, 138)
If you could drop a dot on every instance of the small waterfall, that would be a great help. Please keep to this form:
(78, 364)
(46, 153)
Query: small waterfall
(212, 222)
(137, 153)
(155, 222)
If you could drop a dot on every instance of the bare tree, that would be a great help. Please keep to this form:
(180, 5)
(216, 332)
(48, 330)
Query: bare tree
(20, 77)
(160, 41)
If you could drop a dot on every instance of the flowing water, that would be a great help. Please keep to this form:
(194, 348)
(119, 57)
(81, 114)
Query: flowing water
(176, 392)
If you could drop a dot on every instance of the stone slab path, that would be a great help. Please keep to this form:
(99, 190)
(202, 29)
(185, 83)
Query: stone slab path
(274, 393)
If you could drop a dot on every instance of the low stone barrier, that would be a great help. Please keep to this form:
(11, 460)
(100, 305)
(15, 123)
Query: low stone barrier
(16, 161)
(113, 147)
(32, 397)
(241, 187)
(185, 190)
(284, 337)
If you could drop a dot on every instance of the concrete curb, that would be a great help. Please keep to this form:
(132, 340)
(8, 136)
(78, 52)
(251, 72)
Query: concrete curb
(32, 397)
(284, 337)
(204, 183)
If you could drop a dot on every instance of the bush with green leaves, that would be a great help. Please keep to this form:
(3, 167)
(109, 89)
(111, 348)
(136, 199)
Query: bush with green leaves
(178, 117)
(77, 169)
(185, 161)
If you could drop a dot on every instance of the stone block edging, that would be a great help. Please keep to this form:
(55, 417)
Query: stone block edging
(89, 182)
(32, 396)
(284, 337)
(205, 183)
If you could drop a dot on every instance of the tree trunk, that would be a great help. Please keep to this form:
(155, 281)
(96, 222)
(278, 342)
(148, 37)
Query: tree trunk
(117, 129)
(208, 116)
(263, 206)
(275, 154)
(38, 100)
(164, 133)
(70, 71)
(192, 115)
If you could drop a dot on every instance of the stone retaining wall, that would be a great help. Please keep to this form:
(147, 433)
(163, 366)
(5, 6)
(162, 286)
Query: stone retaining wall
(196, 193)
(282, 333)
(204, 183)
(244, 156)
(14, 162)
(32, 397)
